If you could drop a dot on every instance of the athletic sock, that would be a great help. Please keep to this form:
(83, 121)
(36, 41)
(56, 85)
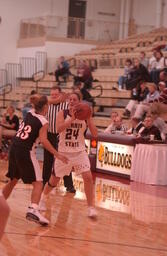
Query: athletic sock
(34, 206)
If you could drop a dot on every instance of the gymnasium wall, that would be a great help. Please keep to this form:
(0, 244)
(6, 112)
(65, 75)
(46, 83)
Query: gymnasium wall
(141, 13)
(54, 50)
(12, 11)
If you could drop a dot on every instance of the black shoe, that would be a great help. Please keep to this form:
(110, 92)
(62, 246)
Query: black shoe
(114, 89)
(71, 190)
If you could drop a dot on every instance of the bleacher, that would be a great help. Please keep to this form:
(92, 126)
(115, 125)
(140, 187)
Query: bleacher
(110, 59)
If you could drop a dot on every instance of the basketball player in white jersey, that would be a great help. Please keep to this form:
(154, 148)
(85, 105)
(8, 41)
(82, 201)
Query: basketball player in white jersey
(4, 213)
(72, 145)
(22, 158)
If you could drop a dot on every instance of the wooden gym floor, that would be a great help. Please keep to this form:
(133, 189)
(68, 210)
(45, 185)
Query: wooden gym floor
(132, 221)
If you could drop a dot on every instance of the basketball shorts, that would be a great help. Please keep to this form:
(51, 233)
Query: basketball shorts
(23, 165)
(79, 162)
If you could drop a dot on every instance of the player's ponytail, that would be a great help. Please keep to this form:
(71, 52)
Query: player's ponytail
(38, 101)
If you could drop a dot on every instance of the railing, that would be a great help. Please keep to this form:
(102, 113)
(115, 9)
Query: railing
(14, 71)
(28, 67)
(38, 76)
(41, 61)
(32, 65)
(5, 89)
(63, 27)
(3, 76)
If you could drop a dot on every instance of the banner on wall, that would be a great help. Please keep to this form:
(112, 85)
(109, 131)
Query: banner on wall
(114, 157)
(112, 195)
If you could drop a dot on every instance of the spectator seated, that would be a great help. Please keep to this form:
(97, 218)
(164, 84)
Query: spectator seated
(136, 126)
(85, 95)
(145, 105)
(150, 129)
(127, 69)
(66, 76)
(8, 125)
(62, 70)
(139, 94)
(116, 126)
(138, 74)
(157, 67)
(160, 106)
(84, 75)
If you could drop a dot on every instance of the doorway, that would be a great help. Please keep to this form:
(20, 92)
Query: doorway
(76, 19)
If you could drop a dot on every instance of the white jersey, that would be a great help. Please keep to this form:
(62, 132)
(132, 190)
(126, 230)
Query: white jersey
(72, 138)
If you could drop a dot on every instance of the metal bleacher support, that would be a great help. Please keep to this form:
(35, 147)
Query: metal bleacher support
(14, 71)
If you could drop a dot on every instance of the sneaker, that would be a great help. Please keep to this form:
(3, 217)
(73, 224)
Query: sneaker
(71, 190)
(92, 213)
(34, 215)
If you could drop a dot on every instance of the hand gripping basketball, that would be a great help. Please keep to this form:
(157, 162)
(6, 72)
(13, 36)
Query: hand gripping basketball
(83, 111)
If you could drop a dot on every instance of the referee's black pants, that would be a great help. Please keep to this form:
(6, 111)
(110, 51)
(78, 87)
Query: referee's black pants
(49, 160)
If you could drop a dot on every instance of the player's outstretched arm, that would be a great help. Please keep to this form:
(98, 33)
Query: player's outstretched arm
(45, 142)
(92, 127)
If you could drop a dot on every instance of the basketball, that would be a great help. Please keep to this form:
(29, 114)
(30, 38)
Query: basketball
(83, 111)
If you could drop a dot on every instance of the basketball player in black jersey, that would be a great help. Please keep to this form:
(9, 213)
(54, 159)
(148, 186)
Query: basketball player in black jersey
(22, 158)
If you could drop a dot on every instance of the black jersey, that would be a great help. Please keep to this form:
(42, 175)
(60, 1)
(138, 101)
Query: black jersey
(28, 134)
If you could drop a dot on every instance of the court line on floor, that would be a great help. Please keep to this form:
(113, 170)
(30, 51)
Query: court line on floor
(89, 241)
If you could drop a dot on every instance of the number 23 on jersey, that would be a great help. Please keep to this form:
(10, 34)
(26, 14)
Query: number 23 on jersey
(24, 131)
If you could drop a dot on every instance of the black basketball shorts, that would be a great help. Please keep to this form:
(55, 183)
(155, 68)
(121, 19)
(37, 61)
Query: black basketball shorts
(23, 165)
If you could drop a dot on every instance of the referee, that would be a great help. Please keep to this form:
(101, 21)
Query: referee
(57, 102)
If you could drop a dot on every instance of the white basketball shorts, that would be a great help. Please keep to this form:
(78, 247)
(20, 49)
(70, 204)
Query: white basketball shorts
(78, 161)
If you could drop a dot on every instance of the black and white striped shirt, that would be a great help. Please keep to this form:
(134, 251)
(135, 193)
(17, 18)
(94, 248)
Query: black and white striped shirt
(53, 110)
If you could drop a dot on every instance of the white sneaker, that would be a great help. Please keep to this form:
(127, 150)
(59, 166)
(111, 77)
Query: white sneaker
(92, 213)
(42, 205)
(34, 215)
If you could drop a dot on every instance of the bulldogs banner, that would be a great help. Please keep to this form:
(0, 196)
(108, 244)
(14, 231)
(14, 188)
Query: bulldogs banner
(114, 157)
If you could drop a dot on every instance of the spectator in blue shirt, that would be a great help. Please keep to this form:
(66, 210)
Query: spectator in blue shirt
(127, 69)
(62, 69)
